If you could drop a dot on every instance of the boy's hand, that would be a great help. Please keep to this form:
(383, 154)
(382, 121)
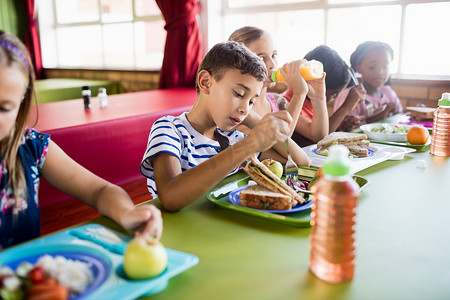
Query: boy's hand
(143, 220)
(272, 128)
(293, 78)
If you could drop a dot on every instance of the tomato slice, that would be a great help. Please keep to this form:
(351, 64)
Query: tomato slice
(37, 275)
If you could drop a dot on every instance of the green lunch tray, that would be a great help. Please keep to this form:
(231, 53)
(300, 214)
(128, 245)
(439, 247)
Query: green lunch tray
(419, 148)
(219, 196)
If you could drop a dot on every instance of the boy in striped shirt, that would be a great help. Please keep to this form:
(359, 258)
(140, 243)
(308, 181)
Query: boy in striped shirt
(188, 155)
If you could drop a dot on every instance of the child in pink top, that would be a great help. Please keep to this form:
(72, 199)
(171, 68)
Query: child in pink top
(372, 60)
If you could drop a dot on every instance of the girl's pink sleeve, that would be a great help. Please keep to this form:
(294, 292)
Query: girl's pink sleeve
(394, 98)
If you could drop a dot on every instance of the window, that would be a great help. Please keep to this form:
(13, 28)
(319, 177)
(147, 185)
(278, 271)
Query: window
(101, 34)
(417, 30)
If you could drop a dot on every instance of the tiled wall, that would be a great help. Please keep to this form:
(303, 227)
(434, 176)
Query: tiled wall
(410, 91)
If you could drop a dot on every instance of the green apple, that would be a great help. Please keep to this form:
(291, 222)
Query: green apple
(274, 166)
(144, 258)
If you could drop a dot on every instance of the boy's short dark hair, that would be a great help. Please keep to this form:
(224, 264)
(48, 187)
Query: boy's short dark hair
(232, 55)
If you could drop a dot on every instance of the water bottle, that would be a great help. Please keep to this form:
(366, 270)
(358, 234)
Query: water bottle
(440, 136)
(311, 69)
(102, 98)
(86, 93)
(333, 216)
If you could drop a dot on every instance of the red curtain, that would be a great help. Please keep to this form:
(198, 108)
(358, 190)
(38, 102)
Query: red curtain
(32, 37)
(183, 48)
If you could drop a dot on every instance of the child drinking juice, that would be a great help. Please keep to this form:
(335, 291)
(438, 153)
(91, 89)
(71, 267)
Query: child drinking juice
(338, 78)
(260, 42)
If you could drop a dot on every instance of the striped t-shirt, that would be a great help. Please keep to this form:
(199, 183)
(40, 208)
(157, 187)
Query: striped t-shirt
(176, 136)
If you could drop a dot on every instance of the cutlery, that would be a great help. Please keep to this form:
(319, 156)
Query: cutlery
(353, 76)
(291, 167)
(367, 103)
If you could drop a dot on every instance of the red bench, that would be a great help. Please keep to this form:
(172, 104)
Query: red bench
(110, 142)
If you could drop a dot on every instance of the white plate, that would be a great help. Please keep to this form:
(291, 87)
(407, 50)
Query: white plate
(380, 136)
(380, 154)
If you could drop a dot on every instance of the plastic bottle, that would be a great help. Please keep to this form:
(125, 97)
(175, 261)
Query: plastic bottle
(312, 69)
(86, 93)
(440, 136)
(335, 196)
(102, 97)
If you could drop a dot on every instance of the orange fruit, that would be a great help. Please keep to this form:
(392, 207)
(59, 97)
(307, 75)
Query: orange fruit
(417, 135)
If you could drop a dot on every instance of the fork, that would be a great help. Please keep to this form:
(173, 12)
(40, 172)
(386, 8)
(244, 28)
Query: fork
(290, 164)
(367, 103)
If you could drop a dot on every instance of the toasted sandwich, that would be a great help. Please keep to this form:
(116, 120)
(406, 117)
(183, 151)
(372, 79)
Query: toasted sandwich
(356, 143)
(266, 178)
(421, 114)
(257, 196)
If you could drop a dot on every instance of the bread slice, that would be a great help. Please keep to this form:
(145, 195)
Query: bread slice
(358, 150)
(340, 137)
(365, 143)
(259, 197)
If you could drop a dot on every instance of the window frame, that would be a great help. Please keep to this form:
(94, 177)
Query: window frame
(100, 23)
(325, 6)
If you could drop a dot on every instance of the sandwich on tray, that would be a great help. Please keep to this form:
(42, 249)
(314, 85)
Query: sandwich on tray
(356, 143)
(421, 114)
(270, 192)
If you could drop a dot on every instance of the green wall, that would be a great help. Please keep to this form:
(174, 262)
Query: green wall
(12, 17)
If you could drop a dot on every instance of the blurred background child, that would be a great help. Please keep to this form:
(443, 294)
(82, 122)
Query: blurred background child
(26, 154)
(337, 79)
(372, 60)
(260, 42)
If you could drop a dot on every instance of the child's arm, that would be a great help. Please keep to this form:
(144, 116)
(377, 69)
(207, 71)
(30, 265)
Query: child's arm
(110, 200)
(299, 90)
(317, 128)
(177, 189)
(279, 153)
(356, 94)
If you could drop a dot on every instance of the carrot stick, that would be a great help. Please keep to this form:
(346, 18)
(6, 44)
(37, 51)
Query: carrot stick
(47, 292)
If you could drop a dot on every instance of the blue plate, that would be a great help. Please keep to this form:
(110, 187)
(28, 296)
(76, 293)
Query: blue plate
(100, 267)
(110, 280)
(234, 198)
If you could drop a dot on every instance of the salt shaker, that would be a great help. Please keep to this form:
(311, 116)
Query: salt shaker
(102, 98)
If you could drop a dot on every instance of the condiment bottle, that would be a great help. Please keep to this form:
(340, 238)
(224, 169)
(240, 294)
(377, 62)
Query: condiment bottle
(102, 97)
(86, 93)
(440, 136)
(311, 69)
(335, 196)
